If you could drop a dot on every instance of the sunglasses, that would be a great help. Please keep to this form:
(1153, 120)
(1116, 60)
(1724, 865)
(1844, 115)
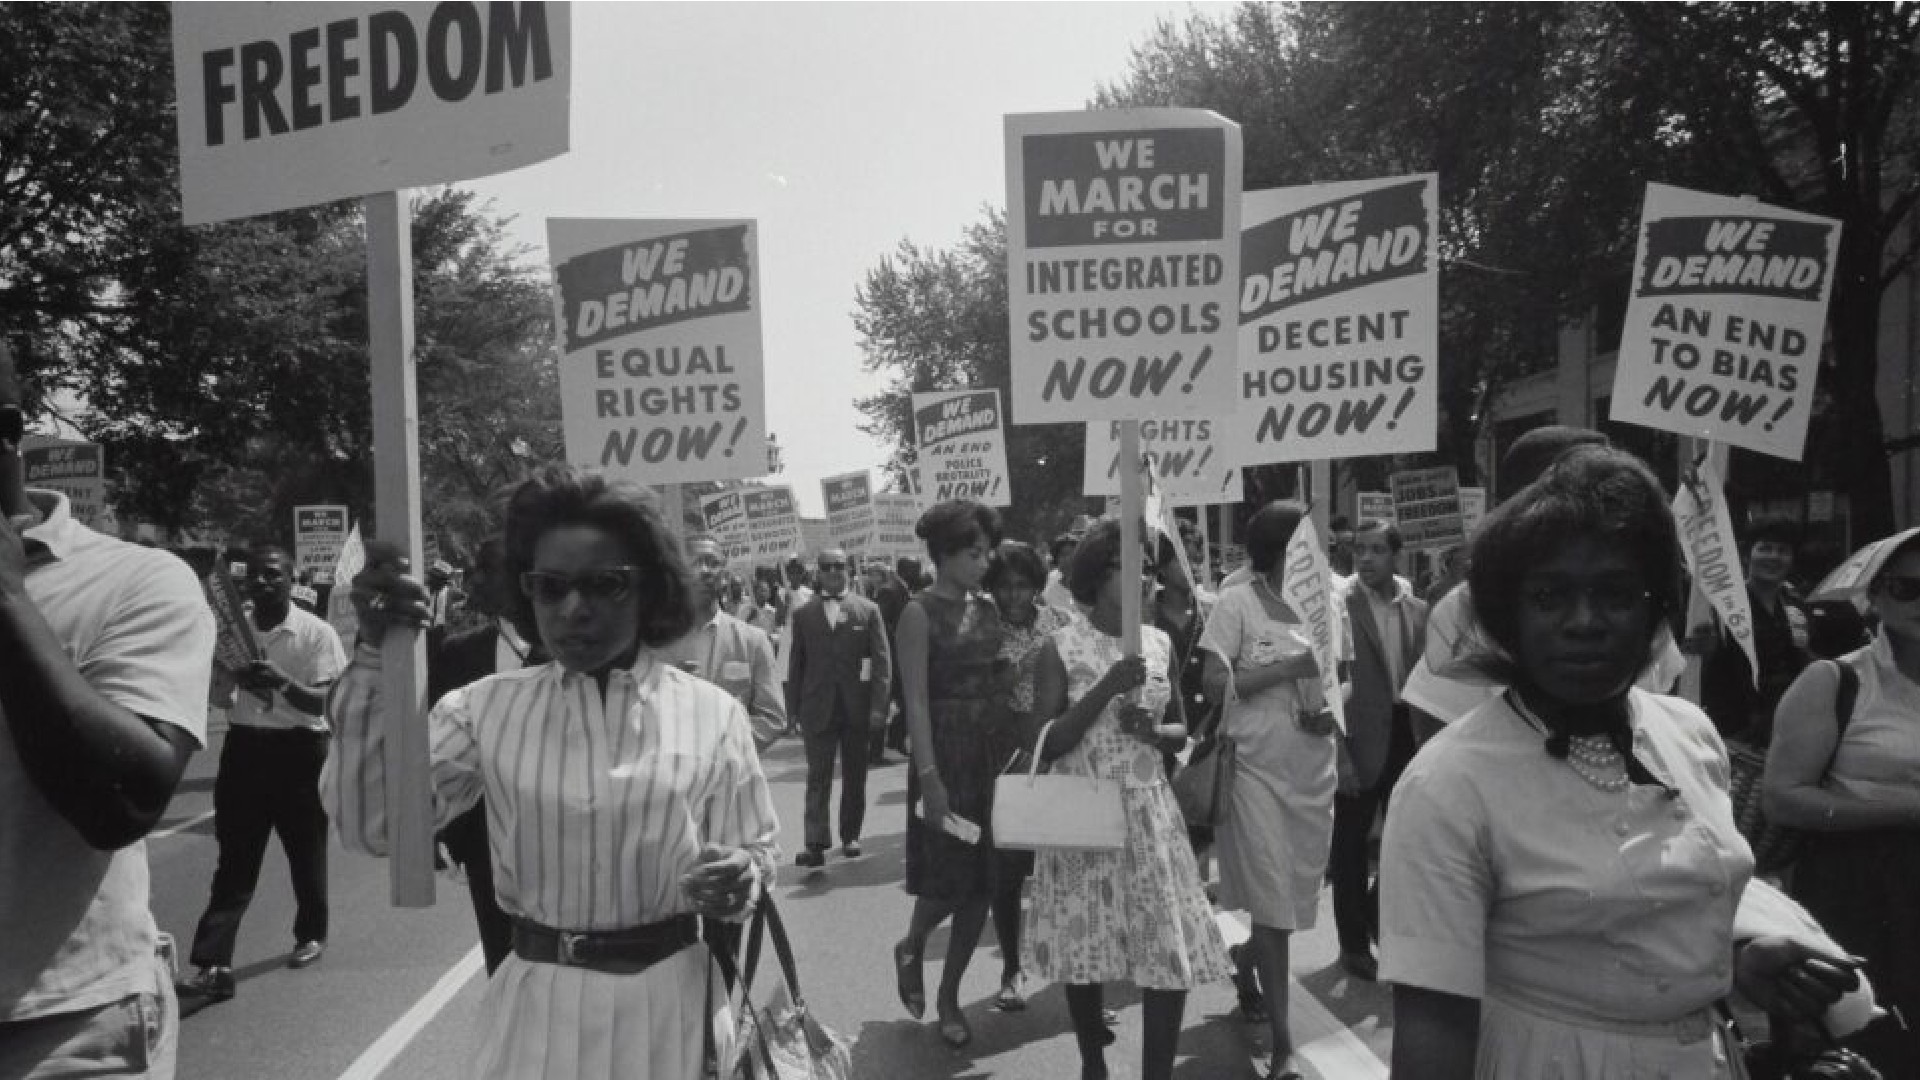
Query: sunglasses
(1900, 589)
(605, 585)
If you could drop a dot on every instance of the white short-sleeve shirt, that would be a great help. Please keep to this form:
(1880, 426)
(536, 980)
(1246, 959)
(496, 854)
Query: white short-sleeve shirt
(75, 929)
(308, 649)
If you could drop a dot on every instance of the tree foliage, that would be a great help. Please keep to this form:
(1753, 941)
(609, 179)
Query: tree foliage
(936, 319)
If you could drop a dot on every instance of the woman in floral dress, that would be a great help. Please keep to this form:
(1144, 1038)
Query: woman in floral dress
(1137, 914)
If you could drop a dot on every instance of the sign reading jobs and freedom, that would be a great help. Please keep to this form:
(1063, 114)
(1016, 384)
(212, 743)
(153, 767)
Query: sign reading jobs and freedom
(1339, 321)
(1426, 508)
(1187, 457)
(1724, 322)
(1122, 263)
(661, 372)
(850, 518)
(960, 440)
(288, 105)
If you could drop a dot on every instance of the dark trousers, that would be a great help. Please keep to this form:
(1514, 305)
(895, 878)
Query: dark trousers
(269, 783)
(847, 740)
(1356, 896)
(466, 841)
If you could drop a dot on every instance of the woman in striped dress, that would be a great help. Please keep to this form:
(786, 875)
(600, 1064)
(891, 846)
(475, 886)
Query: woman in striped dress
(624, 798)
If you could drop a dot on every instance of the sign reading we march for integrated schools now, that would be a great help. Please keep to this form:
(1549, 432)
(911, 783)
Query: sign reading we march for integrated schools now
(1123, 261)
(319, 532)
(960, 440)
(661, 375)
(1725, 320)
(850, 518)
(1339, 321)
(289, 105)
(1188, 459)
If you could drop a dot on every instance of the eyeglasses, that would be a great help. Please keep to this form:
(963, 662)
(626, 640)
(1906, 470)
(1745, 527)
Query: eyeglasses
(1900, 589)
(1612, 601)
(604, 585)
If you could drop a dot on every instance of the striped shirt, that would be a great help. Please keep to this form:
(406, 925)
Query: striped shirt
(596, 805)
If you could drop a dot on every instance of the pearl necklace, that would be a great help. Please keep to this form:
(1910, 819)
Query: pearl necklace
(1592, 758)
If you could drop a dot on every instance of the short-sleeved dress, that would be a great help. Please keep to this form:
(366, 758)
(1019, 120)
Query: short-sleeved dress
(1139, 914)
(1274, 844)
(1595, 928)
(967, 684)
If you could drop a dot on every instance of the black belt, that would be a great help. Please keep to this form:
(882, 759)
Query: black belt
(616, 952)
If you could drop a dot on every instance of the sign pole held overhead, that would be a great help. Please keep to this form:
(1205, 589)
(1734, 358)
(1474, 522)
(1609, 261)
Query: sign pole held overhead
(1133, 501)
(396, 502)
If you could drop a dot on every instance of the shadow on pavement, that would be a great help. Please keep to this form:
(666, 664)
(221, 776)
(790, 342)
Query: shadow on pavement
(882, 862)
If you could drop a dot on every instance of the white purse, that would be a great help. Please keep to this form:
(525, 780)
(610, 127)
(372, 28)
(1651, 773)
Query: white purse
(1036, 811)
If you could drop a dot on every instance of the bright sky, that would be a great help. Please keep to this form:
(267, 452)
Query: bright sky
(841, 128)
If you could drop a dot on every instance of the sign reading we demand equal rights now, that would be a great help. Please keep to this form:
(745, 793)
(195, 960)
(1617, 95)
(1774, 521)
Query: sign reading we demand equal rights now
(661, 375)
(1339, 321)
(1725, 321)
(1123, 254)
(289, 105)
(960, 443)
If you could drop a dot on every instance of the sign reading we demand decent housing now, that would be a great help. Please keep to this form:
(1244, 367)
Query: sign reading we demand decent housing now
(960, 443)
(1725, 321)
(289, 105)
(1123, 254)
(1339, 321)
(661, 372)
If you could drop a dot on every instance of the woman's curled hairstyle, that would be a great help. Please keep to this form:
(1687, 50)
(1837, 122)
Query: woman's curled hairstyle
(557, 497)
(1589, 492)
(956, 525)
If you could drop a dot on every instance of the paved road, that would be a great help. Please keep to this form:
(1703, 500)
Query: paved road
(398, 992)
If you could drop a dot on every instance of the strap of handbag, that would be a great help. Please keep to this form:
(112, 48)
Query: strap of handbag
(1844, 697)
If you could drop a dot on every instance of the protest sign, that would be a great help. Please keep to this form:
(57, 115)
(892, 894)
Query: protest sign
(896, 514)
(1426, 509)
(661, 375)
(773, 522)
(1339, 321)
(850, 519)
(1713, 556)
(1473, 508)
(77, 470)
(1123, 261)
(961, 442)
(815, 536)
(289, 105)
(319, 532)
(1308, 586)
(235, 645)
(1725, 320)
(1191, 466)
(1374, 506)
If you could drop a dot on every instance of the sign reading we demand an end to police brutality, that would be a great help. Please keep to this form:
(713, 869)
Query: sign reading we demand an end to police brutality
(1339, 321)
(289, 105)
(960, 444)
(660, 372)
(1123, 261)
(1725, 320)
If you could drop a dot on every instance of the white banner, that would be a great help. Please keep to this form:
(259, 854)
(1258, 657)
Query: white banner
(1193, 466)
(960, 442)
(1339, 321)
(1123, 256)
(1308, 587)
(661, 376)
(1713, 556)
(289, 105)
(1725, 320)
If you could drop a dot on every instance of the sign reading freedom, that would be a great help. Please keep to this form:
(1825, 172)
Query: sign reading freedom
(289, 105)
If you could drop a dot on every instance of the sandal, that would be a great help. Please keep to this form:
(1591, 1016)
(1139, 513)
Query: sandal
(1246, 988)
(1009, 999)
(910, 980)
(954, 1030)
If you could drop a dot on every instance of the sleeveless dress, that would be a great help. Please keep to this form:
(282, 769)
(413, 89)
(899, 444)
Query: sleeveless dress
(967, 684)
(1138, 914)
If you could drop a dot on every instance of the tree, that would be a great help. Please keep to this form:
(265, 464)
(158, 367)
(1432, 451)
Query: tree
(936, 319)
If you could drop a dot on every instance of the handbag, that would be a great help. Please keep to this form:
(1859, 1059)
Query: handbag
(779, 1040)
(1035, 811)
(1776, 847)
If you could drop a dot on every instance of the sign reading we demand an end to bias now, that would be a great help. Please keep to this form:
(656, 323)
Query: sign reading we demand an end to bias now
(1339, 321)
(1122, 263)
(1725, 320)
(289, 105)
(661, 375)
(960, 441)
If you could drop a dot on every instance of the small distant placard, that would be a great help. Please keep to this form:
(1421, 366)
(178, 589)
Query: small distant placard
(1426, 509)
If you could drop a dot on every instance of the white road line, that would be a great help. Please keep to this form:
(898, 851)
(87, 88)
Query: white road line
(386, 1049)
(1321, 1041)
(175, 830)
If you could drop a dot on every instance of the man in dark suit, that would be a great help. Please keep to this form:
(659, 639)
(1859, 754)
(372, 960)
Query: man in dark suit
(453, 661)
(1387, 624)
(842, 669)
(886, 589)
